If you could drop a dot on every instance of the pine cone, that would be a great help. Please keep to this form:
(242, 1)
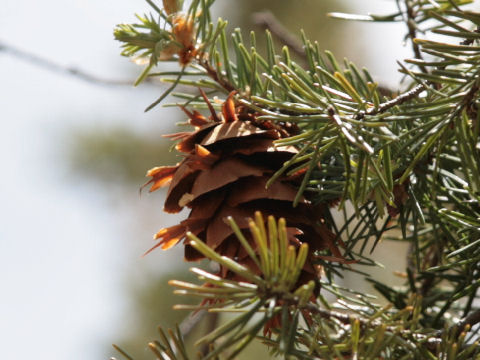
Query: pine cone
(229, 159)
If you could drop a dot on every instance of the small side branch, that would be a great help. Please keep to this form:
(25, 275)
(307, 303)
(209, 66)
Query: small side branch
(400, 99)
(412, 32)
(472, 40)
(470, 320)
(53, 66)
(213, 74)
(267, 20)
(345, 319)
(191, 321)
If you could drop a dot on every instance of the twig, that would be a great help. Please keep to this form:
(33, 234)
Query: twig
(267, 20)
(212, 72)
(400, 99)
(346, 319)
(472, 40)
(187, 325)
(53, 66)
(430, 339)
(432, 261)
(412, 33)
(327, 315)
(472, 319)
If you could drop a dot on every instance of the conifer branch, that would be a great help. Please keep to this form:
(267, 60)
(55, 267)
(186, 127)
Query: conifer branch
(296, 135)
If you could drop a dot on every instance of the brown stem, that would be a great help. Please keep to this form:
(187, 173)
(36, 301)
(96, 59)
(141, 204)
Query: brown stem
(53, 66)
(470, 41)
(472, 319)
(400, 99)
(212, 72)
(268, 21)
(412, 32)
(429, 280)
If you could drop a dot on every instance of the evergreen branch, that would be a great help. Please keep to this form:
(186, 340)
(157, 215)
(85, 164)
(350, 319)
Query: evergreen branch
(415, 157)
(278, 296)
(366, 323)
(345, 129)
(428, 341)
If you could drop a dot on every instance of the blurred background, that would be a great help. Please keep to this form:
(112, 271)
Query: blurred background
(74, 151)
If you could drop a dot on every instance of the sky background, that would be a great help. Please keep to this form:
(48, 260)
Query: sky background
(69, 245)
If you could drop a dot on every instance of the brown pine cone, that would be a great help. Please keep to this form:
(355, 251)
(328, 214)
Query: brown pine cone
(228, 161)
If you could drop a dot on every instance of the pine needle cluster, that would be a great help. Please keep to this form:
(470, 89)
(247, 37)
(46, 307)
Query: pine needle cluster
(383, 159)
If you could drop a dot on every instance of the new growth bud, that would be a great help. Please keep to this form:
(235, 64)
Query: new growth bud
(172, 6)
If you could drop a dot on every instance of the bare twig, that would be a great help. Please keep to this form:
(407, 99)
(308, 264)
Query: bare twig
(472, 40)
(191, 321)
(472, 319)
(267, 20)
(53, 66)
(412, 32)
(215, 76)
(400, 99)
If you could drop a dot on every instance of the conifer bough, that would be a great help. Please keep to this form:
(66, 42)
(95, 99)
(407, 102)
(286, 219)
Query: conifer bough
(294, 142)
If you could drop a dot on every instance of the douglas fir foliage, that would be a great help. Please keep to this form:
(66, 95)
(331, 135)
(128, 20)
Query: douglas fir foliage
(280, 145)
